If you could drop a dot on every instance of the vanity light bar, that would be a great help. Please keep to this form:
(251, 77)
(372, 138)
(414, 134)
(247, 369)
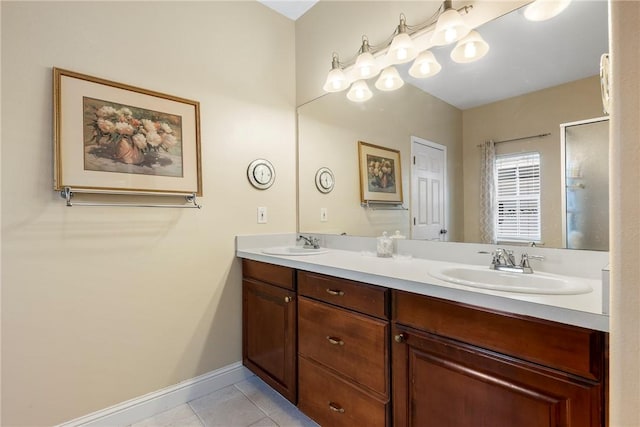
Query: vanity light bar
(445, 27)
(401, 48)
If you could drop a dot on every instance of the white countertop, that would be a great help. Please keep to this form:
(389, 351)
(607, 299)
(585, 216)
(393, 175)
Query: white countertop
(412, 275)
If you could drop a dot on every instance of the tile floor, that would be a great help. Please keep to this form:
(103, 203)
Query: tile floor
(247, 403)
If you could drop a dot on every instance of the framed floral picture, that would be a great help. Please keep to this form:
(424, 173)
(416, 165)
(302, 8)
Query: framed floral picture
(380, 174)
(112, 137)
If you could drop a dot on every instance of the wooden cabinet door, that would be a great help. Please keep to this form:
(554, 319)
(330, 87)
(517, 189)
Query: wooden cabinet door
(444, 383)
(269, 335)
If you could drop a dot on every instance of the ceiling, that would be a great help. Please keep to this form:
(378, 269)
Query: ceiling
(292, 9)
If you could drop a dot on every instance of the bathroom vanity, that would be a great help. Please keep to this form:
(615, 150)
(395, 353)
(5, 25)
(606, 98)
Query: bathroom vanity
(369, 354)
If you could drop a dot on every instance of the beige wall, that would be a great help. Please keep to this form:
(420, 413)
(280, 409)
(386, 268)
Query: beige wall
(329, 129)
(625, 215)
(100, 305)
(531, 114)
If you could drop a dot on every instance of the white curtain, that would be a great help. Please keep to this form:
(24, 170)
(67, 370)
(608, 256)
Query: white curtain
(488, 193)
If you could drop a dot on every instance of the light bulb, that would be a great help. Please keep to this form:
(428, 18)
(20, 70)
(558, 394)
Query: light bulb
(450, 35)
(389, 79)
(470, 50)
(359, 92)
(402, 48)
(541, 10)
(425, 65)
(450, 27)
(366, 66)
(336, 79)
(388, 82)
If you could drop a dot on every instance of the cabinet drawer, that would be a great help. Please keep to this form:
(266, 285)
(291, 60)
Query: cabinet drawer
(352, 344)
(356, 296)
(269, 273)
(331, 401)
(568, 348)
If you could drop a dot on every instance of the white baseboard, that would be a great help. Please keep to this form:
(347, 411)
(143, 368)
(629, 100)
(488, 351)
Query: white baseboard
(142, 407)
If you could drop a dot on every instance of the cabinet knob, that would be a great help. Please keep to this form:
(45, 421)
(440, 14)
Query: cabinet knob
(335, 292)
(288, 299)
(400, 338)
(335, 341)
(336, 408)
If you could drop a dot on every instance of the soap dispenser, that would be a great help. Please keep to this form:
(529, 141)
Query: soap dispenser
(384, 246)
(395, 239)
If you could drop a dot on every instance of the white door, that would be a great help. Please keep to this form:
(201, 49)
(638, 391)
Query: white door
(428, 186)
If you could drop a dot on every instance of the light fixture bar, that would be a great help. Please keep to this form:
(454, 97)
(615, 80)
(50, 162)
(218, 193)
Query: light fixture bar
(446, 26)
(413, 31)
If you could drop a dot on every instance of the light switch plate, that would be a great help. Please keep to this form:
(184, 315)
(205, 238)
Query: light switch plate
(324, 216)
(262, 215)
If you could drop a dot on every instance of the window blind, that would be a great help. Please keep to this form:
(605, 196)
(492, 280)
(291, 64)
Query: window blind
(518, 196)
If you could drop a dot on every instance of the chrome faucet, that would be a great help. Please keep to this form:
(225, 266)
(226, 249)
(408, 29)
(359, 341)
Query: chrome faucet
(309, 242)
(503, 260)
(524, 262)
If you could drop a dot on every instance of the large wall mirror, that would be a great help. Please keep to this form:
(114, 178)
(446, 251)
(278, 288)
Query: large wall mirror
(538, 81)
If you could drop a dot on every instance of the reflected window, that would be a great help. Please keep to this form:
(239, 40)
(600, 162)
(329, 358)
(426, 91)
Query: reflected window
(518, 197)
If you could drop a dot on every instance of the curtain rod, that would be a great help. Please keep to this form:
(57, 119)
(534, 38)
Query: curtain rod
(542, 135)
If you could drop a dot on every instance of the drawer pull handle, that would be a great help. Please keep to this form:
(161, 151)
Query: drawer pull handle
(334, 292)
(400, 338)
(336, 408)
(335, 341)
(288, 299)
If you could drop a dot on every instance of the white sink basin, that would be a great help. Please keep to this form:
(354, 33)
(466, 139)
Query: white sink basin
(294, 251)
(535, 283)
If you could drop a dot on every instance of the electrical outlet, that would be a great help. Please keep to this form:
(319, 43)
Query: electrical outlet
(324, 216)
(262, 215)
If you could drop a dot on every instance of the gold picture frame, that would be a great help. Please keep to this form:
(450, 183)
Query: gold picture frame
(380, 174)
(113, 137)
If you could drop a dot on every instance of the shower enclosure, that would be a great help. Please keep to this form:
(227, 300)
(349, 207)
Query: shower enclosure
(585, 176)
